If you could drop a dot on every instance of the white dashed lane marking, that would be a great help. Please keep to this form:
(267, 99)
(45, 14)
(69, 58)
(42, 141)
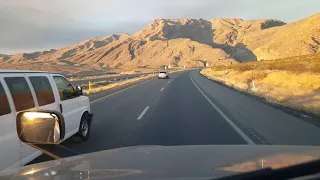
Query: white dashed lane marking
(143, 113)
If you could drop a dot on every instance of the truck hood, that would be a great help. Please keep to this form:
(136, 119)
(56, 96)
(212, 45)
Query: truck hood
(167, 162)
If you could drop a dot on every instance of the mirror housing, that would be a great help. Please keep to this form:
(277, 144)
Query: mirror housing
(40, 127)
(79, 91)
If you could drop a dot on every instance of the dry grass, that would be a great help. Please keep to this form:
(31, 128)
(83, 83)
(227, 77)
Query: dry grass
(91, 77)
(292, 82)
(298, 64)
(129, 72)
(98, 87)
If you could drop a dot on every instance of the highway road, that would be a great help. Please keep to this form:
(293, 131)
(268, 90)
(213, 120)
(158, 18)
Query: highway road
(188, 109)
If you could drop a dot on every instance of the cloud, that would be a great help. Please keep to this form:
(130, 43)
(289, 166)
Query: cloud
(68, 8)
(43, 30)
(123, 10)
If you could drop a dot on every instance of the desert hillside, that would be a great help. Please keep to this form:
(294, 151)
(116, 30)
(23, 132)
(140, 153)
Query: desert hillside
(235, 35)
(181, 42)
(292, 82)
(295, 39)
(4, 57)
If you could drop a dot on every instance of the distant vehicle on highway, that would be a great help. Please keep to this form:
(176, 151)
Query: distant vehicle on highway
(163, 75)
(34, 90)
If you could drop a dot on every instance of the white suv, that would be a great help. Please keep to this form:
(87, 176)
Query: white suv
(32, 90)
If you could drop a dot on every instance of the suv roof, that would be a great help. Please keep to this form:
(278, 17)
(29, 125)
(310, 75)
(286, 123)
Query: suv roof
(23, 71)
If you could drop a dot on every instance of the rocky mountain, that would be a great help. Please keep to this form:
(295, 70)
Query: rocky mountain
(232, 34)
(163, 45)
(4, 57)
(166, 29)
(295, 39)
(267, 39)
(184, 42)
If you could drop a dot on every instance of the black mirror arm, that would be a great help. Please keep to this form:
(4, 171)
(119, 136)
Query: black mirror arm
(55, 151)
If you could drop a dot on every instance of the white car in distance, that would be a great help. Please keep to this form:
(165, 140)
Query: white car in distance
(163, 75)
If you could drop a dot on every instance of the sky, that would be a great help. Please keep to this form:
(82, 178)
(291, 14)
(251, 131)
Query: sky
(30, 25)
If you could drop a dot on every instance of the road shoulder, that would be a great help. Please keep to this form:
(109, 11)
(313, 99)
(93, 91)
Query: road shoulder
(270, 124)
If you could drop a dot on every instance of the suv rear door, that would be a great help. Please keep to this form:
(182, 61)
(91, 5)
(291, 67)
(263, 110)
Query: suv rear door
(23, 99)
(9, 141)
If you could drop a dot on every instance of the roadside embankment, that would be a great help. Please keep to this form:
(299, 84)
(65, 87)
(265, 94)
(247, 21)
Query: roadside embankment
(292, 82)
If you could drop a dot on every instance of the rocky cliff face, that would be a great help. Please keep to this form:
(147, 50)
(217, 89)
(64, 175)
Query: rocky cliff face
(231, 34)
(198, 30)
(295, 39)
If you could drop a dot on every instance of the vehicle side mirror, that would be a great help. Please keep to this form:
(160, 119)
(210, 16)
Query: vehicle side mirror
(79, 90)
(40, 127)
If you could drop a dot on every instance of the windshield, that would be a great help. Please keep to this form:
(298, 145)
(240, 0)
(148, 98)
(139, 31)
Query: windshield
(170, 73)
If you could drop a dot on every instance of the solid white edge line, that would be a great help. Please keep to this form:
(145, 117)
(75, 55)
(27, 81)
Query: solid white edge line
(162, 89)
(143, 113)
(235, 127)
(169, 81)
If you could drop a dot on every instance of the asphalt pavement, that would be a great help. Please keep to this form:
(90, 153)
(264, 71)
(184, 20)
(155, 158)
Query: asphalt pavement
(188, 109)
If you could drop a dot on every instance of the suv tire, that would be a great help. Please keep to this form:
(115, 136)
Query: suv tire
(84, 128)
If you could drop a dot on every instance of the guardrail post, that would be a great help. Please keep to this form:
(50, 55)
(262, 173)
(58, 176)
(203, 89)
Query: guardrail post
(89, 86)
(253, 85)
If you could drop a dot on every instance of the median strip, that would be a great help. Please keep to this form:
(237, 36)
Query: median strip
(103, 86)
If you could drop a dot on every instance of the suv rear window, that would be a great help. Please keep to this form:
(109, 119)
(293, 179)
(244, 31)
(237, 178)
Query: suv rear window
(4, 105)
(43, 90)
(20, 93)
